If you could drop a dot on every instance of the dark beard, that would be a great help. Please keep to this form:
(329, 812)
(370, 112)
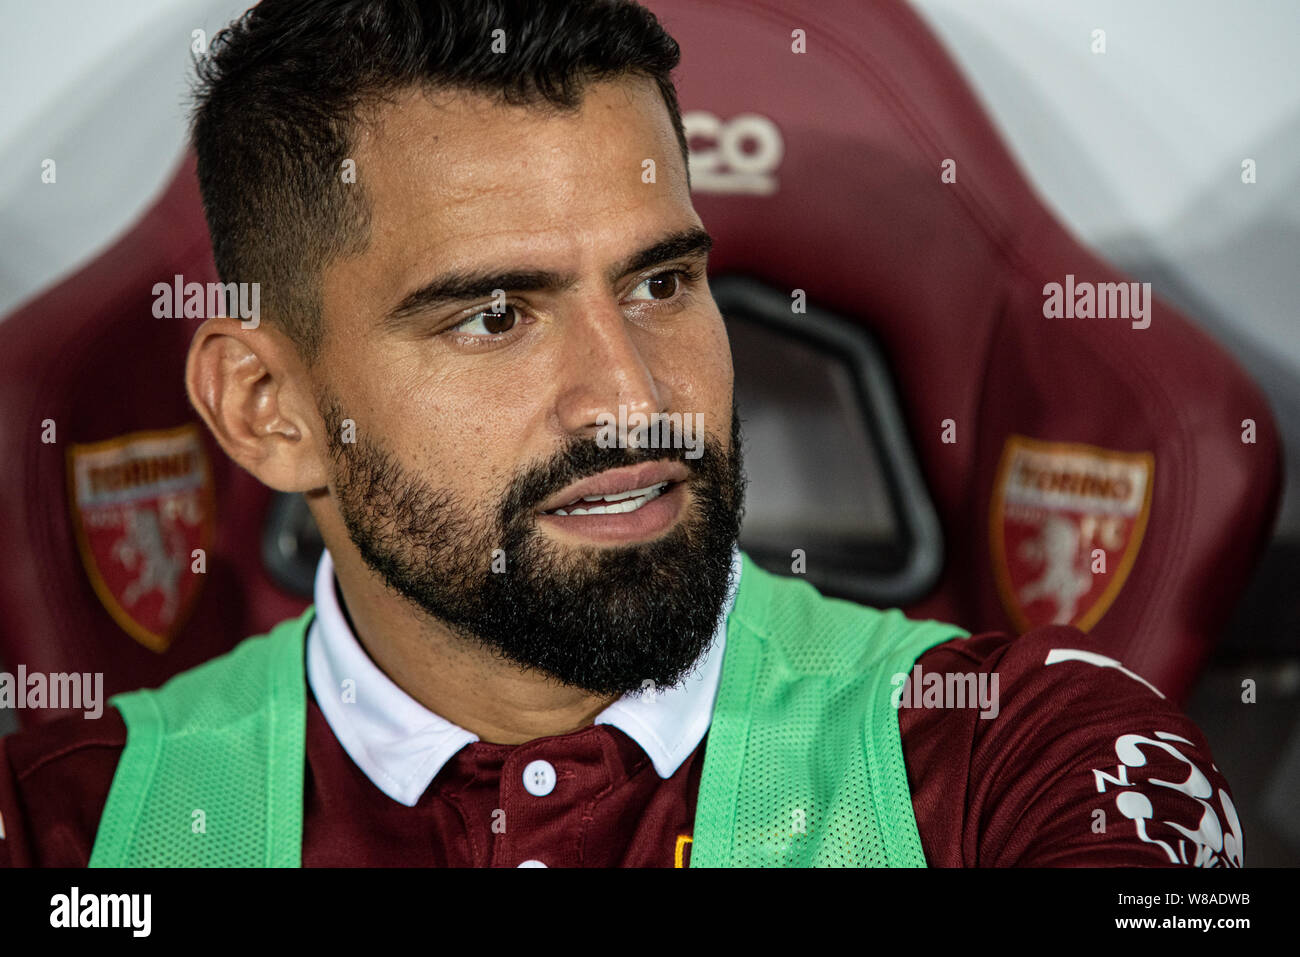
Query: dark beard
(604, 619)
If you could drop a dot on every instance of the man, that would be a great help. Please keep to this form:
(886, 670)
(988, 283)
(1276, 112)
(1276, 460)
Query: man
(534, 642)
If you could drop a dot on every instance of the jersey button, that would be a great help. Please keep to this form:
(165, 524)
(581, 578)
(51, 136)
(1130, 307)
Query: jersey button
(531, 864)
(539, 778)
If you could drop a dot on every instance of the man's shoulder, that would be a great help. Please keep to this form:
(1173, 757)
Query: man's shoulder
(31, 750)
(1055, 665)
(1054, 678)
(54, 782)
(55, 777)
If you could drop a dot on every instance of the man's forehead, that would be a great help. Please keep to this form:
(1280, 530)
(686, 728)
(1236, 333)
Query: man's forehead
(454, 177)
(468, 146)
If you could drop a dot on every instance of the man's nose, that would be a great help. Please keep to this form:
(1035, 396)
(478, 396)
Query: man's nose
(604, 368)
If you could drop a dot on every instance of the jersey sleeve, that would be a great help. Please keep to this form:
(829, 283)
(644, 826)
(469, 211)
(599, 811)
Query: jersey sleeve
(1077, 762)
(54, 783)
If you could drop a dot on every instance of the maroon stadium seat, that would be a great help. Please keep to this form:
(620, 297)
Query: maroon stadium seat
(819, 171)
(91, 357)
(950, 278)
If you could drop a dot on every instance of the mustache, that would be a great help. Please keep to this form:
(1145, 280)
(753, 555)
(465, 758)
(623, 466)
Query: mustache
(581, 459)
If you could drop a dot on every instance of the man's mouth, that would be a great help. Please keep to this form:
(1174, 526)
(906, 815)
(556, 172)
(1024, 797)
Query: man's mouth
(613, 503)
(629, 488)
(620, 506)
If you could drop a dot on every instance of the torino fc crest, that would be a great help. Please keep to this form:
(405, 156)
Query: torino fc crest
(141, 505)
(1067, 521)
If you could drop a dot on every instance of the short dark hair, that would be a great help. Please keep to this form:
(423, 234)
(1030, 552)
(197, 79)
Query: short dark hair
(278, 96)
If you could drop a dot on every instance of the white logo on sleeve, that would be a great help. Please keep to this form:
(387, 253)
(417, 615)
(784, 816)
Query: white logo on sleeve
(1210, 844)
(1057, 655)
(1149, 802)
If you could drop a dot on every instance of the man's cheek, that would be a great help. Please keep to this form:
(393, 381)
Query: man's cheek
(699, 372)
(712, 364)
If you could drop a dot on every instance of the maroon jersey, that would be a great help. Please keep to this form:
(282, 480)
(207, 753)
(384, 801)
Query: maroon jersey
(1082, 765)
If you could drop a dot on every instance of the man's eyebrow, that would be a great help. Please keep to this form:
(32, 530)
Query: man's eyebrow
(689, 242)
(458, 286)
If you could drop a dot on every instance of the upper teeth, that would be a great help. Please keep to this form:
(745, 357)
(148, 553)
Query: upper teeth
(628, 501)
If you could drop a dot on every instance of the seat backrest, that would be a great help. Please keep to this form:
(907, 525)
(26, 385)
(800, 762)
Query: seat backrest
(861, 171)
(864, 172)
(115, 483)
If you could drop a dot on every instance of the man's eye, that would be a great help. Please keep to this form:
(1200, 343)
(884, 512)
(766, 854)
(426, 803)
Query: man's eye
(488, 323)
(662, 286)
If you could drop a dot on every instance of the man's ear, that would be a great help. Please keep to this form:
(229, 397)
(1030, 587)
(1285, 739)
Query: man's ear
(254, 392)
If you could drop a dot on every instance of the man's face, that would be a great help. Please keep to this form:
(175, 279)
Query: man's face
(475, 424)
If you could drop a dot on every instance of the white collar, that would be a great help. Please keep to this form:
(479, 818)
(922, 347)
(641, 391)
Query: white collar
(401, 745)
